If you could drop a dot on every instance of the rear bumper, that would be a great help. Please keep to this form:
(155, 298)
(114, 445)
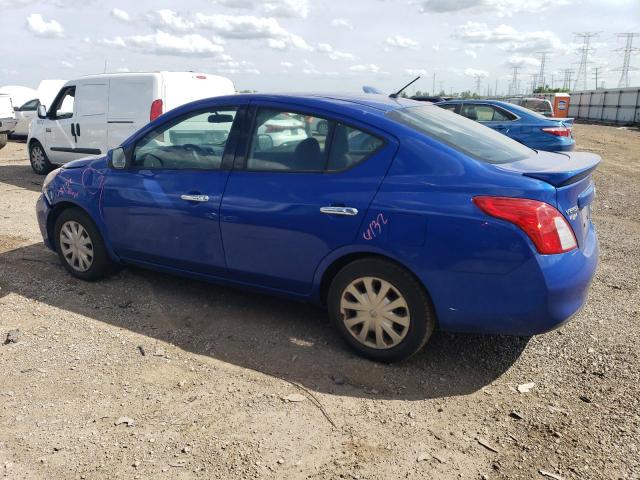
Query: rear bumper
(42, 212)
(540, 295)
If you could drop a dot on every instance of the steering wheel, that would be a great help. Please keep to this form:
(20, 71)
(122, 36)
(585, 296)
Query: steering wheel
(195, 150)
(154, 157)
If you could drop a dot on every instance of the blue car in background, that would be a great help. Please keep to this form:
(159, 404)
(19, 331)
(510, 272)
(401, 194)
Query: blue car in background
(523, 125)
(399, 217)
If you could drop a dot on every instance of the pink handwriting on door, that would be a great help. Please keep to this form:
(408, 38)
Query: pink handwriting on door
(375, 227)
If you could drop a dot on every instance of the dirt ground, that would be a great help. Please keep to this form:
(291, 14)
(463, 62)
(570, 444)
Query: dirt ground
(148, 376)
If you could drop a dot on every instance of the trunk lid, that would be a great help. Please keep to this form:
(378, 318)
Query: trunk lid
(571, 174)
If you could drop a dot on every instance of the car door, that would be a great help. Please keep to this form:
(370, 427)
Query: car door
(91, 118)
(289, 203)
(24, 115)
(60, 137)
(164, 208)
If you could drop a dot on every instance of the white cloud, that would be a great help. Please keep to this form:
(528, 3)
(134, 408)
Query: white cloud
(121, 15)
(472, 72)
(416, 72)
(42, 28)
(319, 73)
(522, 61)
(334, 54)
(507, 37)
(501, 7)
(252, 27)
(162, 43)
(252, 71)
(401, 42)
(470, 53)
(166, 18)
(66, 64)
(277, 8)
(286, 64)
(341, 23)
(367, 67)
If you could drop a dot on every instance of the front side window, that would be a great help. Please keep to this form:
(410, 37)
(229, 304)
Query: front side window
(470, 138)
(288, 141)
(196, 141)
(63, 107)
(30, 106)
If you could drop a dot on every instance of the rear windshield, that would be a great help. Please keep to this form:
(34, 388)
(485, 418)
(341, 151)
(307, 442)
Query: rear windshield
(462, 134)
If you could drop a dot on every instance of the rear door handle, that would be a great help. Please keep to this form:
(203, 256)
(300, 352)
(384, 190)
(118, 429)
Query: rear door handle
(346, 211)
(195, 198)
(78, 129)
(48, 130)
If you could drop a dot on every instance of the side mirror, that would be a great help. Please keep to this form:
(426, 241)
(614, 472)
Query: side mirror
(42, 111)
(265, 142)
(118, 158)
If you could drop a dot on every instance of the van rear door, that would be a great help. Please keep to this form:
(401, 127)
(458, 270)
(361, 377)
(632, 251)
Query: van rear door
(91, 118)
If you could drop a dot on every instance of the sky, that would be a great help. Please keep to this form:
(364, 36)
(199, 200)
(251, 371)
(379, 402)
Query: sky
(317, 45)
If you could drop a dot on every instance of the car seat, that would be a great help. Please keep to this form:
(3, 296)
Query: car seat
(307, 156)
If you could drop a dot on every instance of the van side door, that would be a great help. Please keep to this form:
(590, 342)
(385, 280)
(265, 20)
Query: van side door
(60, 130)
(91, 118)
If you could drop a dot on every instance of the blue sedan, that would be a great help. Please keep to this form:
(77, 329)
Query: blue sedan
(523, 125)
(400, 217)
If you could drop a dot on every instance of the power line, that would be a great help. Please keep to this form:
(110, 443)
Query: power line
(584, 58)
(626, 63)
(566, 80)
(478, 79)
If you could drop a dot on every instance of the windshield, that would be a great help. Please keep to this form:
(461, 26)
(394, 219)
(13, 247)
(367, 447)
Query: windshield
(462, 134)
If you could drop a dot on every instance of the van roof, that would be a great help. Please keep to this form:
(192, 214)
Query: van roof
(156, 72)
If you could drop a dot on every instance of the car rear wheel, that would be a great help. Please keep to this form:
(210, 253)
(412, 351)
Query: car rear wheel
(381, 310)
(39, 161)
(80, 246)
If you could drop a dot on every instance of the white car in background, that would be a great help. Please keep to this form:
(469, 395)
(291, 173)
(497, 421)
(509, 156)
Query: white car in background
(24, 114)
(7, 119)
(93, 114)
(282, 130)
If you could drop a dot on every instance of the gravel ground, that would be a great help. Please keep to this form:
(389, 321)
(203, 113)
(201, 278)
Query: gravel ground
(148, 376)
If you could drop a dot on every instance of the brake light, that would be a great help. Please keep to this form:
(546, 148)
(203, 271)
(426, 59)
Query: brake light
(156, 109)
(546, 227)
(558, 131)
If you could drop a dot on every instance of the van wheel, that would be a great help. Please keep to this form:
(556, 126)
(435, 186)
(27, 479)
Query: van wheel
(39, 161)
(80, 246)
(381, 310)
(4, 138)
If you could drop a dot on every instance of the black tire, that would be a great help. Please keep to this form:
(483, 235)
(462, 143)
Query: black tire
(101, 266)
(422, 319)
(4, 138)
(38, 158)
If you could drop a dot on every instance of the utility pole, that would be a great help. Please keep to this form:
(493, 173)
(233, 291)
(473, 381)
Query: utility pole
(478, 83)
(584, 58)
(553, 82)
(534, 82)
(566, 81)
(433, 89)
(441, 86)
(596, 71)
(495, 92)
(626, 63)
(514, 86)
(543, 61)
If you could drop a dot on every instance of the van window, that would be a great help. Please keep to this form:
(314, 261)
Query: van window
(195, 141)
(63, 107)
(92, 100)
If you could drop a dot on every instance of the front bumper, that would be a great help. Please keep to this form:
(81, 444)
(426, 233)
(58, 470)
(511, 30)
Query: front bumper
(43, 209)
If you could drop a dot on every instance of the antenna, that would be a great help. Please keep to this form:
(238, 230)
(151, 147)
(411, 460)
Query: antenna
(395, 95)
(628, 50)
(584, 57)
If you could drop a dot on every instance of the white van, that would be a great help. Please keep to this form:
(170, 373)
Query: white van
(92, 114)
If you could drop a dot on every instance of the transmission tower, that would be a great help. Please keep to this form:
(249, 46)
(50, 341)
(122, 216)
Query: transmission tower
(513, 86)
(543, 61)
(584, 58)
(478, 83)
(596, 72)
(626, 63)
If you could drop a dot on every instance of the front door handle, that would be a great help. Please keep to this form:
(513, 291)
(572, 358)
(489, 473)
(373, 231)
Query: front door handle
(346, 211)
(73, 132)
(77, 129)
(195, 198)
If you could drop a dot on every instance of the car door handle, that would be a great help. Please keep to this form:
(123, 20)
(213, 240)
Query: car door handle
(347, 211)
(195, 198)
(48, 130)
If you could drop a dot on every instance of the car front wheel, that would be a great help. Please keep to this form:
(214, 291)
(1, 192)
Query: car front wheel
(80, 246)
(382, 311)
(39, 161)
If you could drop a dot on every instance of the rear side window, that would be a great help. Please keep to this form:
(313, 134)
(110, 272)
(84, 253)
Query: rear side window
(462, 134)
(295, 142)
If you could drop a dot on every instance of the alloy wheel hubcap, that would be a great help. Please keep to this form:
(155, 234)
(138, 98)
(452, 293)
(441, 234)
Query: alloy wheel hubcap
(76, 246)
(37, 158)
(375, 313)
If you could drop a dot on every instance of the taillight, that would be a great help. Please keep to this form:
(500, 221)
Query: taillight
(546, 227)
(156, 109)
(558, 131)
(275, 128)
